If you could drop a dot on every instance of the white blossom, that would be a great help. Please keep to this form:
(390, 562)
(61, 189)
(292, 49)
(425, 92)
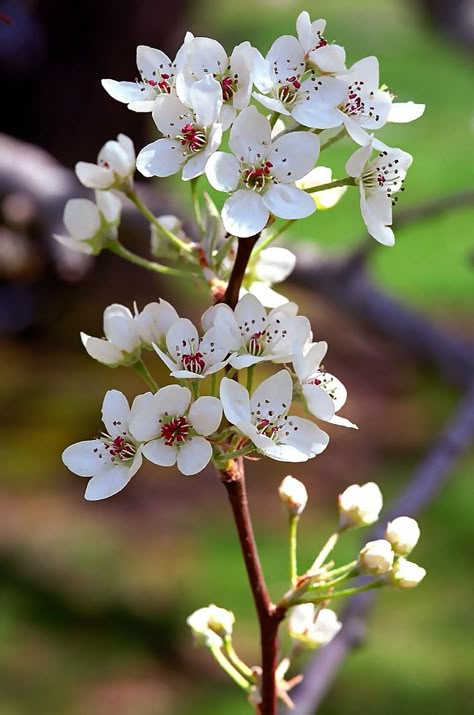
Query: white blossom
(260, 174)
(376, 557)
(90, 225)
(360, 505)
(157, 78)
(271, 265)
(206, 57)
(326, 58)
(115, 166)
(323, 393)
(406, 574)
(189, 356)
(191, 134)
(263, 418)
(403, 533)
(113, 458)
(211, 625)
(293, 494)
(378, 179)
(256, 336)
(175, 430)
(317, 177)
(154, 321)
(122, 341)
(311, 626)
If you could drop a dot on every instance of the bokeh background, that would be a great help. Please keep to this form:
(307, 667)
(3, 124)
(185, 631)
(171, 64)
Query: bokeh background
(93, 596)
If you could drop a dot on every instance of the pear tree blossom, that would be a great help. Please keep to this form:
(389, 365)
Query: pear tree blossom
(271, 265)
(403, 533)
(261, 174)
(360, 505)
(211, 625)
(313, 627)
(191, 134)
(90, 224)
(190, 357)
(122, 341)
(157, 78)
(263, 418)
(323, 393)
(153, 322)
(293, 495)
(319, 54)
(377, 557)
(115, 166)
(113, 458)
(256, 335)
(174, 430)
(407, 574)
(203, 57)
(378, 180)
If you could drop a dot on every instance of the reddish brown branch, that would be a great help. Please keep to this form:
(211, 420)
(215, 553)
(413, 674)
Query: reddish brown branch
(244, 250)
(269, 619)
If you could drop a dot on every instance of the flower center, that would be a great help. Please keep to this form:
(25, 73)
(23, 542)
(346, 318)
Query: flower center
(256, 343)
(194, 362)
(175, 431)
(257, 177)
(355, 106)
(385, 176)
(229, 87)
(162, 85)
(287, 93)
(119, 448)
(193, 138)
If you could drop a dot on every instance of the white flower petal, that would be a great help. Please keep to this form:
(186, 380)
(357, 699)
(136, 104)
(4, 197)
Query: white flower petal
(222, 171)
(244, 213)
(275, 392)
(266, 295)
(304, 436)
(274, 264)
(402, 112)
(115, 413)
(356, 163)
(250, 135)
(205, 415)
(293, 155)
(182, 336)
(108, 483)
(206, 99)
(86, 458)
(101, 350)
(250, 315)
(318, 401)
(93, 176)
(163, 157)
(194, 455)
(160, 453)
(81, 218)
(119, 327)
(235, 401)
(287, 201)
(125, 92)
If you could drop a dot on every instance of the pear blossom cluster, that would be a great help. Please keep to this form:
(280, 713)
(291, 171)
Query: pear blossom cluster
(311, 623)
(175, 424)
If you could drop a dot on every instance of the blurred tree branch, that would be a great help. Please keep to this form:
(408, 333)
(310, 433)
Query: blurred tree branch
(423, 487)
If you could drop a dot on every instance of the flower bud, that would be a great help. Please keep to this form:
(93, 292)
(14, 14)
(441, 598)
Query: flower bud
(403, 533)
(211, 625)
(360, 505)
(376, 557)
(406, 574)
(293, 494)
(311, 627)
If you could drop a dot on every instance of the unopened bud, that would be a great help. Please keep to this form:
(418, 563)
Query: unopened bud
(314, 628)
(403, 533)
(360, 505)
(211, 625)
(406, 574)
(293, 494)
(376, 557)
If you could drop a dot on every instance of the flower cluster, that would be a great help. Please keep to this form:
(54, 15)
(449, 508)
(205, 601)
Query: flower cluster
(176, 424)
(311, 623)
(303, 80)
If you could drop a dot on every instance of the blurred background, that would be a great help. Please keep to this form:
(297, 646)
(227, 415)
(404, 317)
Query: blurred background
(94, 596)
